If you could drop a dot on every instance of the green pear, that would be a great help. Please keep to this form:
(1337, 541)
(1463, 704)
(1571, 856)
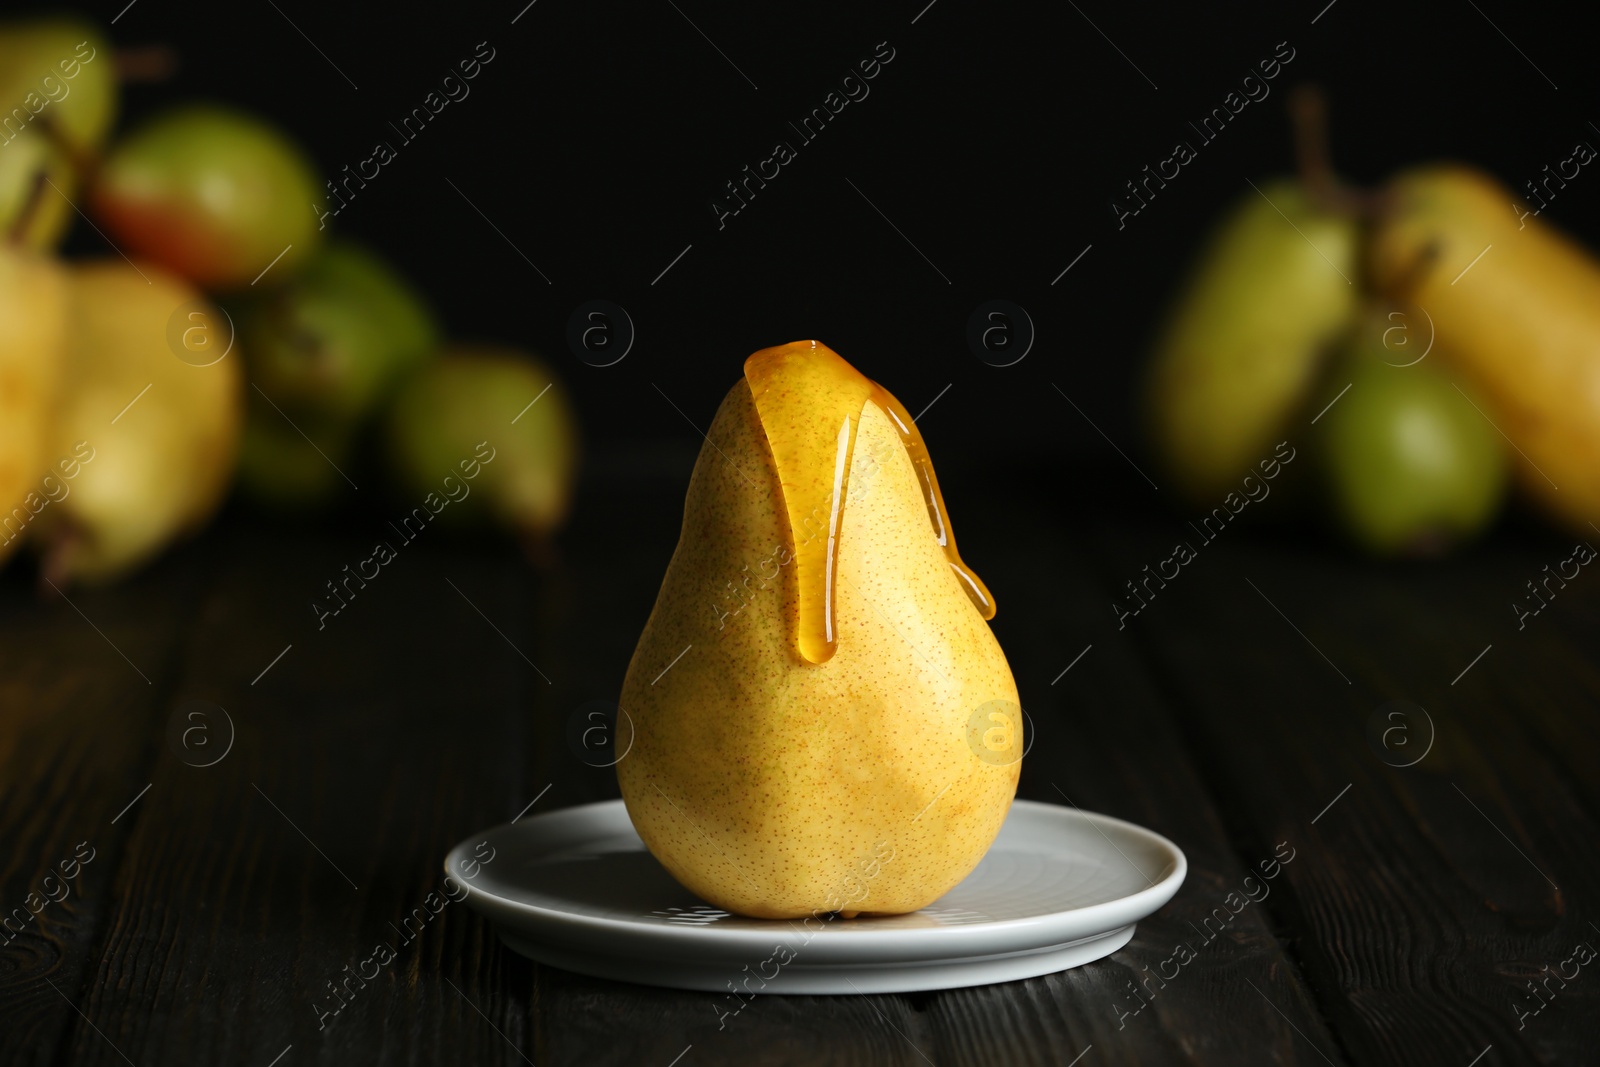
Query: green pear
(1245, 341)
(213, 194)
(33, 331)
(498, 425)
(284, 471)
(817, 716)
(160, 432)
(332, 342)
(1412, 466)
(58, 98)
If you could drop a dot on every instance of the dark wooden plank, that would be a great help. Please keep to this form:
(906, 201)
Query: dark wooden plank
(1541, 663)
(1429, 893)
(83, 699)
(361, 755)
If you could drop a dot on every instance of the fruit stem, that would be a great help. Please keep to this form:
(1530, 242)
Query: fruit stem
(146, 64)
(82, 161)
(1409, 279)
(55, 561)
(540, 549)
(30, 207)
(1308, 118)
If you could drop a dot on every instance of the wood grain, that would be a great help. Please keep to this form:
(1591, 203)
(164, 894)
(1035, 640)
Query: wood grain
(366, 752)
(1419, 902)
(80, 725)
(1429, 891)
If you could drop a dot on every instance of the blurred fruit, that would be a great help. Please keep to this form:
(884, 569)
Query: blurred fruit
(1243, 344)
(33, 330)
(282, 470)
(336, 338)
(162, 431)
(1517, 308)
(213, 194)
(1411, 467)
(58, 97)
(511, 403)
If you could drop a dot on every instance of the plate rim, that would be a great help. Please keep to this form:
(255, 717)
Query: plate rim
(1115, 912)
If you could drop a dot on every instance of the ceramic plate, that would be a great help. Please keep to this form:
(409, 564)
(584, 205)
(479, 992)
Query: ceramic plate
(577, 889)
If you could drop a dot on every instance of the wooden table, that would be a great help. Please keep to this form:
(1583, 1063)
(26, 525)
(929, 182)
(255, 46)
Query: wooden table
(1244, 713)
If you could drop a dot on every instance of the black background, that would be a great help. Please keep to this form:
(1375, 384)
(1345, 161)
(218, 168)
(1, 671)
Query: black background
(995, 140)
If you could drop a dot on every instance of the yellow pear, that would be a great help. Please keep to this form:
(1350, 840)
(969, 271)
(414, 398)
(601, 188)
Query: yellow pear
(817, 718)
(33, 324)
(156, 407)
(1516, 307)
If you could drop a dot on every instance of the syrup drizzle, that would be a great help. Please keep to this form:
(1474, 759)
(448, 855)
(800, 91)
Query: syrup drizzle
(810, 402)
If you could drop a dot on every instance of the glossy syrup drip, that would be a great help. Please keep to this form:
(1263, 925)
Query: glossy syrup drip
(810, 401)
(911, 438)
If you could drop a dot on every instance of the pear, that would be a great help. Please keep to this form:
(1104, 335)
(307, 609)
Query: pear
(1516, 307)
(159, 432)
(33, 330)
(213, 194)
(332, 341)
(1412, 468)
(1245, 341)
(819, 717)
(58, 92)
(485, 436)
(283, 471)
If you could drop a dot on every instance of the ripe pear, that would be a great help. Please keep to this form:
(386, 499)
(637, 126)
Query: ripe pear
(160, 431)
(842, 734)
(212, 194)
(1516, 306)
(1411, 466)
(58, 97)
(332, 341)
(1245, 341)
(33, 330)
(498, 424)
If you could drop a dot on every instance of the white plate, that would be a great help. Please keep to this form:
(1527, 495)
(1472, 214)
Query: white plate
(577, 889)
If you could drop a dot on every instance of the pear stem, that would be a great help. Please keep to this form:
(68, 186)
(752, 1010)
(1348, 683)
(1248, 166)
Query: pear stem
(1308, 119)
(1409, 279)
(30, 208)
(146, 64)
(540, 549)
(55, 561)
(83, 162)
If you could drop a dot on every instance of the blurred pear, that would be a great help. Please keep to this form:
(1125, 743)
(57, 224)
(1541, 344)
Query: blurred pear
(161, 430)
(283, 471)
(332, 341)
(33, 330)
(1242, 347)
(1411, 467)
(58, 98)
(213, 194)
(483, 401)
(1516, 306)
